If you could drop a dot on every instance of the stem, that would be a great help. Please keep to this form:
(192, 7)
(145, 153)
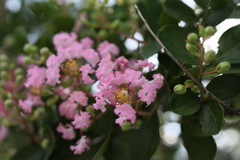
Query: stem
(226, 106)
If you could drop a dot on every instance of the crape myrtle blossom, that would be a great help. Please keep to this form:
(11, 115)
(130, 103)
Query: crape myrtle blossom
(32, 100)
(35, 76)
(106, 48)
(82, 120)
(81, 146)
(63, 39)
(121, 89)
(67, 131)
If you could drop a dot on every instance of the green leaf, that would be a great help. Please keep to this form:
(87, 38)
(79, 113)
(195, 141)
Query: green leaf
(203, 3)
(198, 148)
(173, 38)
(138, 144)
(102, 149)
(216, 17)
(225, 87)
(229, 46)
(180, 11)
(235, 68)
(150, 49)
(211, 117)
(186, 104)
(166, 19)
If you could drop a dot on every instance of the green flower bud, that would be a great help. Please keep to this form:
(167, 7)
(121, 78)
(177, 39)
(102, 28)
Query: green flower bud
(43, 59)
(67, 81)
(190, 47)
(45, 143)
(4, 66)
(4, 75)
(209, 56)
(9, 41)
(38, 112)
(3, 58)
(179, 89)
(5, 122)
(188, 82)
(192, 36)
(201, 31)
(44, 51)
(27, 60)
(90, 110)
(126, 125)
(13, 65)
(9, 104)
(27, 48)
(195, 88)
(51, 101)
(103, 34)
(209, 31)
(18, 71)
(115, 23)
(18, 80)
(223, 67)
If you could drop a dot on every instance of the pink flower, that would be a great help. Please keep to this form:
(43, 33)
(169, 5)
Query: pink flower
(106, 48)
(100, 103)
(87, 42)
(121, 63)
(86, 69)
(52, 75)
(35, 76)
(63, 39)
(73, 51)
(125, 112)
(54, 61)
(82, 120)
(79, 97)
(105, 67)
(82, 145)
(64, 92)
(67, 131)
(29, 102)
(91, 56)
(68, 109)
(141, 64)
(3, 132)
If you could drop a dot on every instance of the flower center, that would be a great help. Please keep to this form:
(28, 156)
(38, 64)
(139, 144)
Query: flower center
(122, 96)
(71, 67)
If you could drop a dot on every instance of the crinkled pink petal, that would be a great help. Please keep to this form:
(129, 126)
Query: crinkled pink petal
(52, 75)
(86, 69)
(3, 132)
(64, 92)
(121, 63)
(91, 56)
(147, 93)
(67, 131)
(141, 64)
(35, 76)
(64, 39)
(68, 109)
(29, 102)
(87, 42)
(82, 145)
(125, 111)
(79, 97)
(105, 48)
(54, 61)
(82, 120)
(105, 67)
(158, 81)
(100, 103)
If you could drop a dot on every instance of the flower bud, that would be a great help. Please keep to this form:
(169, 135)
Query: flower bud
(67, 81)
(4, 66)
(18, 80)
(209, 56)
(43, 60)
(179, 89)
(39, 112)
(223, 67)
(190, 47)
(115, 24)
(195, 88)
(192, 36)
(126, 125)
(45, 143)
(103, 34)
(27, 48)
(44, 51)
(90, 110)
(4, 75)
(5, 122)
(27, 60)
(3, 58)
(201, 31)
(9, 41)
(18, 71)
(8, 103)
(188, 82)
(209, 31)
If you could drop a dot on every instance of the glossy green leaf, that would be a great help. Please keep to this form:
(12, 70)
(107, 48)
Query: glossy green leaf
(180, 11)
(235, 68)
(166, 19)
(211, 117)
(102, 149)
(150, 49)
(185, 104)
(229, 46)
(225, 87)
(137, 144)
(203, 3)
(198, 148)
(173, 38)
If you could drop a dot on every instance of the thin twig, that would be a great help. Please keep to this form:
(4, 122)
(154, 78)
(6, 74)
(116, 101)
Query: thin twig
(226, 106)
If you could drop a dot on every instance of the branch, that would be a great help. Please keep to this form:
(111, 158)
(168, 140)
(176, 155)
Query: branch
(226, 106)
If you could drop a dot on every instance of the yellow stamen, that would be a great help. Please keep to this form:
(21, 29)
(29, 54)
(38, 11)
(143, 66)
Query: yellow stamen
(71, 63)
(122, 96)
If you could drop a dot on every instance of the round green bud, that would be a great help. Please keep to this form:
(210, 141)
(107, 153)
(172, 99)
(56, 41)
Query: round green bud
(4, 75)
(201, 31)
(34, 49)
(190, 47)
(44, 51)
(126, 125)
(19, 79)
(5, 122)
(27, 60)
(13, 65)
(9, 40)
(45, 143)
(209, 56)
(188, 82)
(4, 66)
(192, 36)
(43, 59)
(9, 104)
(3, 58)
(90, 110)
(102, 34)
(27, 48)
(67, 81)
(223, 67)
(195, 88)
(18, 71)
(209, 31)
(38, 112)
(179, 89)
